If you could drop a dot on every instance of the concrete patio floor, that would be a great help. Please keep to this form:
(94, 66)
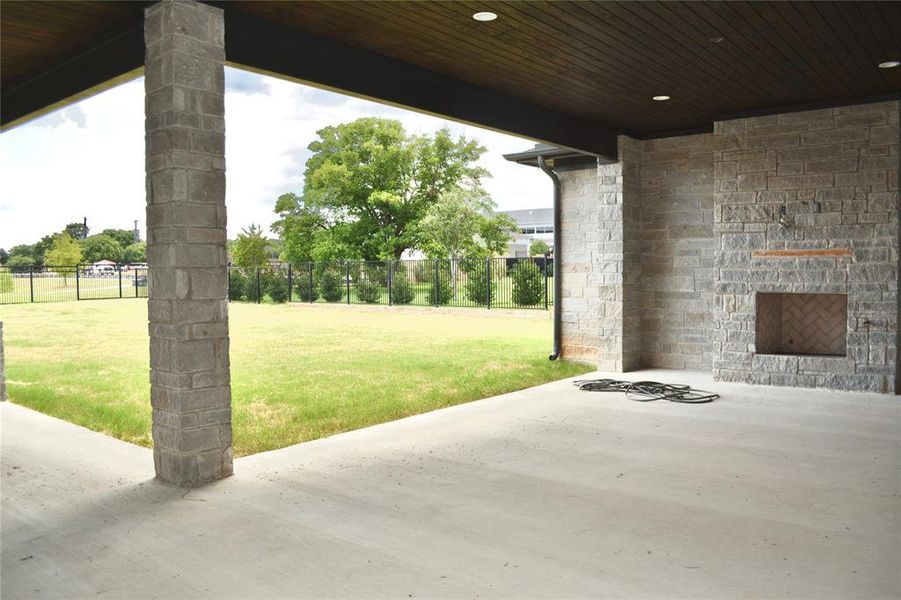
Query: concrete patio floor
(547, 492)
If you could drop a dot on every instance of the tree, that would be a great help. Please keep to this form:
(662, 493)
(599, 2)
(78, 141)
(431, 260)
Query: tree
(35, 252)
(19, 263)
(538, 248)
(135, 253)
(125, 237)
(101, 247)
(64, 255)
(78, 231)
(250, 249)
(366, 186)
(4, 256)
(460, 225)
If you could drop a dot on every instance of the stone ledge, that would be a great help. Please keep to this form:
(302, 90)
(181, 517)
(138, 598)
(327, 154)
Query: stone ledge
(802, 252)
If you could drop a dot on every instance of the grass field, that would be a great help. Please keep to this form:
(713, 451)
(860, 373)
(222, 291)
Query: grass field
(298, 372)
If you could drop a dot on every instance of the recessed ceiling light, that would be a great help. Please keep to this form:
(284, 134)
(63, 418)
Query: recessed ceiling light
(889, 64)
(716, 39)
(484, 16)
(660, 98)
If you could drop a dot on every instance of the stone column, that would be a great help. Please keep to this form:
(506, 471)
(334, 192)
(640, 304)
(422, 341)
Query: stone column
(188, 280)
(601, 262)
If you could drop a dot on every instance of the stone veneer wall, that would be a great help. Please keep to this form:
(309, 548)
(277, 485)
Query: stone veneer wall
(600, 253)
(658, 248)
(677, 252)
(836, 173)
(582, 238)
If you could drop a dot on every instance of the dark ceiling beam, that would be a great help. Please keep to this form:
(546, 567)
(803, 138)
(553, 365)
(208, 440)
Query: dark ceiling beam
(104, 63)
(266, 46)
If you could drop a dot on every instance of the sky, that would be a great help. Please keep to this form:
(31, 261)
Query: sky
(87, 160)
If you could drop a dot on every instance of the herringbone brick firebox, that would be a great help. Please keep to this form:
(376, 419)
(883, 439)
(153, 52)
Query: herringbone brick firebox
(811, 324)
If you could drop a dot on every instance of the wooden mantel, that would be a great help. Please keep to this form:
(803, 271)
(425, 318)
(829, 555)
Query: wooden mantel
(830, 252)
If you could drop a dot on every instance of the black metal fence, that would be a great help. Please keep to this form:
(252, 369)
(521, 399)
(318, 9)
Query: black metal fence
(53, 283)
(510, 283)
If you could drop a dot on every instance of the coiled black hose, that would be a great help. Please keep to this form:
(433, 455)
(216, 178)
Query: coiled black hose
(648, 391)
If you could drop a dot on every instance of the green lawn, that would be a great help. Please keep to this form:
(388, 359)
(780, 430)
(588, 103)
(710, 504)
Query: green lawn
(298, 372)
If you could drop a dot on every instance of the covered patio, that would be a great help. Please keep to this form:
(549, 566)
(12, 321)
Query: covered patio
(547, 492)
(706, 154)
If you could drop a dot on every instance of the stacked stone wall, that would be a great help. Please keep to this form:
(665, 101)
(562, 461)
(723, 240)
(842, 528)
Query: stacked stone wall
(677, 252)
(832, 177)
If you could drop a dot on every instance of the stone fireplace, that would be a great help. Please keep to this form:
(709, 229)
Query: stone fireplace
(803, 324)
(807, 234)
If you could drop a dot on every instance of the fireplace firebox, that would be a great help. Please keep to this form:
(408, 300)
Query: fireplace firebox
(804, 324)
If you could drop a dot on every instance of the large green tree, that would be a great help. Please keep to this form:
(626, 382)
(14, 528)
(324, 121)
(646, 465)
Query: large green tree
(251, 249)
(460, 225)
(125, 237)
(101, 247)
(20, 262)
(135, 253)
(368, 184)
(64, 255)
(78, 231)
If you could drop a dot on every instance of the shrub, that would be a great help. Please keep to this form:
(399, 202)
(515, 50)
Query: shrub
(306, 289)
(476, 286)
(401, 290)
(441, 292)
(376, 272)
(251, 291)
(237, 283)
(331, 285)
(367, 291)
(528, 283)
(277, 287)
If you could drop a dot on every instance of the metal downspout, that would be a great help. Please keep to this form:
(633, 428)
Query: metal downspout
(558, 271)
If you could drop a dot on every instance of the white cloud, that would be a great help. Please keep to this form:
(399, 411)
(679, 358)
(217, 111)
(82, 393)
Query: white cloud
(87, 160)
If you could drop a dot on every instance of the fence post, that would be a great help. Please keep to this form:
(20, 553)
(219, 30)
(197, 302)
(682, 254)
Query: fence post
(120, 279)
(347, 278)
(136, 283)
(488, 287)
(437, 284)
(545, 281)
(312, 298)
(31, 282)
(390, 282)
(228, 271)
(259, 289)
(290, 282)
(77, 283)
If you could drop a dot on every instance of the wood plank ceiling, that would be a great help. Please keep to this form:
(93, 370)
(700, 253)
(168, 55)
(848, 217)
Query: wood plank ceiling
(596, 61)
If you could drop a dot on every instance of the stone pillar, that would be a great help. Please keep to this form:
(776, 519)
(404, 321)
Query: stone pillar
(188, 280)
(601, 262)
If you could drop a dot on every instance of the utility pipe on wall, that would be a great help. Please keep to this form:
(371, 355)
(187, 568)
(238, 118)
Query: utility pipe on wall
(558, 273)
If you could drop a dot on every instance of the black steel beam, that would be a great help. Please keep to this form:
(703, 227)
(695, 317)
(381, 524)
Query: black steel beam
(266, 46)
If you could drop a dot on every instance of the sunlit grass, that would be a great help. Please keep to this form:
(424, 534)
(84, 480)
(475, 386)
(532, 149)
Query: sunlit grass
(298, 372)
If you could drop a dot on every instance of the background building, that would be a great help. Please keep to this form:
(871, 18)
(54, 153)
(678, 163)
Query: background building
(532, 225)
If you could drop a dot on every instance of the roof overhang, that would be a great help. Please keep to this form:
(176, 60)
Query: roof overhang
(571, 74)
